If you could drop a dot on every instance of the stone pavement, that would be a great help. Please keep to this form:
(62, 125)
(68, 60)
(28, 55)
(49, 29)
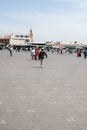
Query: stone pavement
(49, 98)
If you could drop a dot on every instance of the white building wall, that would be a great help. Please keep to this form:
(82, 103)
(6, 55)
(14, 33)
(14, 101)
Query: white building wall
(19, 39)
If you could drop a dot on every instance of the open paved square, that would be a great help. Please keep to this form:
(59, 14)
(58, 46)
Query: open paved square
(49, 98)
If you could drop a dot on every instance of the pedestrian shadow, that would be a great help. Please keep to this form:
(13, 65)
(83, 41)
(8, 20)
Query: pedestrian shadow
(36, 67)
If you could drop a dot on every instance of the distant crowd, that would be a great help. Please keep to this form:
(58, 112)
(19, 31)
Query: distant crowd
(35, 51)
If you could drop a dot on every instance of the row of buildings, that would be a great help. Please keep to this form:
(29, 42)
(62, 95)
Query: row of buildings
(14, 39)
(28, 39)
(20, 40)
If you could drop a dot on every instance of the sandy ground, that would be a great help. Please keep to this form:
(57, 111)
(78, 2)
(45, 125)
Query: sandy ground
(49, 98)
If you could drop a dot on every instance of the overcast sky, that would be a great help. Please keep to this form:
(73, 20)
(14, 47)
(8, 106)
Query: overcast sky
(56, 20)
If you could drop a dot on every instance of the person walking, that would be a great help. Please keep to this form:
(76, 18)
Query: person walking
(85, 53)
(78, 53)
(42, 55)
(37, 51)
(32, 53)
(9, 47)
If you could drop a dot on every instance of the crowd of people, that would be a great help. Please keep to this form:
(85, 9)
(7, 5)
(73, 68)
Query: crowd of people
(39, 53)
(79, 52)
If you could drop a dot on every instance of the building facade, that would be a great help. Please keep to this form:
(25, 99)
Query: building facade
(17, 39)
